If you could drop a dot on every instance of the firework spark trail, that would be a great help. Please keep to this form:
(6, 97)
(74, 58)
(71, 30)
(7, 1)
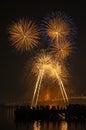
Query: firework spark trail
(66, 97)
(63, 89)
(64, 94)
(41, 77)
(60, 86)
(36, 87)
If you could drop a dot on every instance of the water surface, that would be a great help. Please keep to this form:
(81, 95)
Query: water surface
(7, 122)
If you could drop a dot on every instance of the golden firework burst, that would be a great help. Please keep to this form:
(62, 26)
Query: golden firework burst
(57, 28)
(43, 61)
(24, 35)
(62, 49)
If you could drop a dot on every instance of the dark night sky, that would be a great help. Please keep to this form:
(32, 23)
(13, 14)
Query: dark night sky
(12, 64)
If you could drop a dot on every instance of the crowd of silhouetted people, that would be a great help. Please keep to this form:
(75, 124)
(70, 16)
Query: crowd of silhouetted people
(54, 113)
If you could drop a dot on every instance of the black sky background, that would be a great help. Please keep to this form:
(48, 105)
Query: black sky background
(12, 63)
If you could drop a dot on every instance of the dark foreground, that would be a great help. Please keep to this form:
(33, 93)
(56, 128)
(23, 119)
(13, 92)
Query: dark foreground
(45, 113)
(8, 122)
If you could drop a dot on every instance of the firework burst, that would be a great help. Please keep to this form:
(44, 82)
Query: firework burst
(57, 26)
(43, 61)
(62, 49)
(24, 35)
(57, 29)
